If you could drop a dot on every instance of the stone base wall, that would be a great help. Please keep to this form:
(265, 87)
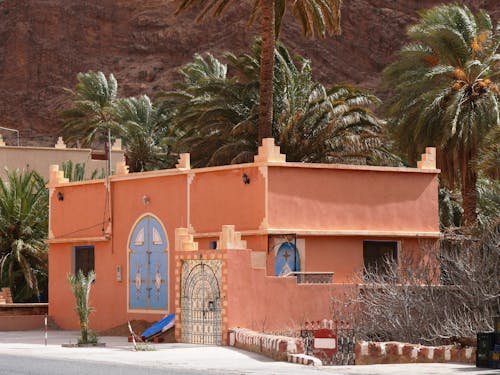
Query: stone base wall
(370, 353)
(275, 347)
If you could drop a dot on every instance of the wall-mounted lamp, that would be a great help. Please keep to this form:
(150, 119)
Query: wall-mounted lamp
(245, 178)
(60, 196)
(146, 200)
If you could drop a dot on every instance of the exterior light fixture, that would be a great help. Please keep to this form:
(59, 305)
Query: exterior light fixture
(146, 200)
(60, 196)
(245, 178)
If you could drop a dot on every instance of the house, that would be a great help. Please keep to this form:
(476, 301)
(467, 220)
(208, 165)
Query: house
(263, 245)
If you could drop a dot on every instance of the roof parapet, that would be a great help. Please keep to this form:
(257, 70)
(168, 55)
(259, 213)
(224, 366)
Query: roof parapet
(428, 160)
(56, 177)
(269, 152)
(184, 162)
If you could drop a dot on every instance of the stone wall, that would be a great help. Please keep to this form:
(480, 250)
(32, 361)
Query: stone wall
(276, 347)
(370, 353)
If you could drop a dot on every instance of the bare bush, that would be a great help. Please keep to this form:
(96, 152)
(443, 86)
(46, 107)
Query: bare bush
(437, 297)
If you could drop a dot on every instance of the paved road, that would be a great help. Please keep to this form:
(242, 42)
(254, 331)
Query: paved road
(24, 353)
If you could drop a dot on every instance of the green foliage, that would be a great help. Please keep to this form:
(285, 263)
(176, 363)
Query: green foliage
(23, 229)
(81, 286)
(444, 92)
(217, 114)
(488, 201)
(145, 133)
(76, 172)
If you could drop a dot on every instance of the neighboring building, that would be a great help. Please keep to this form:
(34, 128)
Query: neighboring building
(143, 237)
(40, 158)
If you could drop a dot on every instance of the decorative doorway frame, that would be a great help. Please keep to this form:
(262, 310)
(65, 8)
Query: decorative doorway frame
(196, 258)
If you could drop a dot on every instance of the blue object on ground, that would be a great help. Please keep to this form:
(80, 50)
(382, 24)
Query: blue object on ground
(163, 325)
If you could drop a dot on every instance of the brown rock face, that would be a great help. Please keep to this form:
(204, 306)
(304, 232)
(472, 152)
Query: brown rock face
(45, 43)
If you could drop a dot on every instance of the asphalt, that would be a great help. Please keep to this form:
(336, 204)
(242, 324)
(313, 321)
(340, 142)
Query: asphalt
(23, 347)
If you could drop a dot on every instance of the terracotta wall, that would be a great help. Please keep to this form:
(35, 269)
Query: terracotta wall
(80, 213)
(220, 197)
(267, 303)
(167, 201)
(353, 199)
(344, 255)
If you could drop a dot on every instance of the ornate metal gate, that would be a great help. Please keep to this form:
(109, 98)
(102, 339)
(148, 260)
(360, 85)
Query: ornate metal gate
(200, 302)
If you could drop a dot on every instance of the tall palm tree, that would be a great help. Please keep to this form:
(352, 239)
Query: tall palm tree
(91, 114)
(23, 228)
(317, 17)
(444, 94)
(218, 114)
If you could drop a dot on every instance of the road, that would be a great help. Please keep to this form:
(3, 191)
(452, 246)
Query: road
(23, 353)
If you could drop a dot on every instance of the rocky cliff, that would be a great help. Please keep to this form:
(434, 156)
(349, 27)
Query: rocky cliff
(45, 43)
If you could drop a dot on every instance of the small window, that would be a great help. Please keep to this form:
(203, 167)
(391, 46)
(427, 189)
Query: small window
(213, 245)
(83, 259)
(376, 254)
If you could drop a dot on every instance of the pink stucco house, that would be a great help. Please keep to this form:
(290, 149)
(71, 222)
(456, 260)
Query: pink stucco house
(262, 245)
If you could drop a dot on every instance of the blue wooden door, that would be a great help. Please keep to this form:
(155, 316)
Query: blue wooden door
(287, 259)
(148, 284)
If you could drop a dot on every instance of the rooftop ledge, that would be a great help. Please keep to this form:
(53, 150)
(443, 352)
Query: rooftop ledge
(268, 155)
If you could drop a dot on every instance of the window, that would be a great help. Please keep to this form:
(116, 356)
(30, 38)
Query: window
(376, 253)
(83, 259)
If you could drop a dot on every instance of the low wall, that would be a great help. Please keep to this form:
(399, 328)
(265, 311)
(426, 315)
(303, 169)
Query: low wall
(276, 347)
(270, 303)
(22, 316)
(370, 353)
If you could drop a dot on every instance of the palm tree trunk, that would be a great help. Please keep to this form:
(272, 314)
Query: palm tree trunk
(469, 191)
(266, 70)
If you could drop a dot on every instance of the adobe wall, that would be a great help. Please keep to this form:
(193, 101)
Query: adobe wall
(343, 255)
(267, 303)
(40, 158)
(220, 196)
(353, 198)
(83, 206)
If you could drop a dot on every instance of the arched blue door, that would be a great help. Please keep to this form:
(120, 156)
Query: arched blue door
(148, 266)
(287, 259)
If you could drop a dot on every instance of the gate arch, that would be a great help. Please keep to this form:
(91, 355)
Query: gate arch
(201, 319)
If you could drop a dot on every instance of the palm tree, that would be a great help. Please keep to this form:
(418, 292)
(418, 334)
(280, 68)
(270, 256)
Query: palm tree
(91, 115)
(444, 93)
(81, 285)
(317, 17)
(143, 133)
(23, 228)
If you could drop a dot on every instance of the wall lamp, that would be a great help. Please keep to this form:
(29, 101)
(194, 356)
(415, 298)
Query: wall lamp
(146, 200)
(245, 178)
(60, 196)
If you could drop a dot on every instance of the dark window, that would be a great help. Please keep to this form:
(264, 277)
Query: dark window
(213, 245)
(377, 253)
(83, 259)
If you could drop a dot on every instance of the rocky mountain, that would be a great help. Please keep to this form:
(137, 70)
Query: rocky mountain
(45, 43)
